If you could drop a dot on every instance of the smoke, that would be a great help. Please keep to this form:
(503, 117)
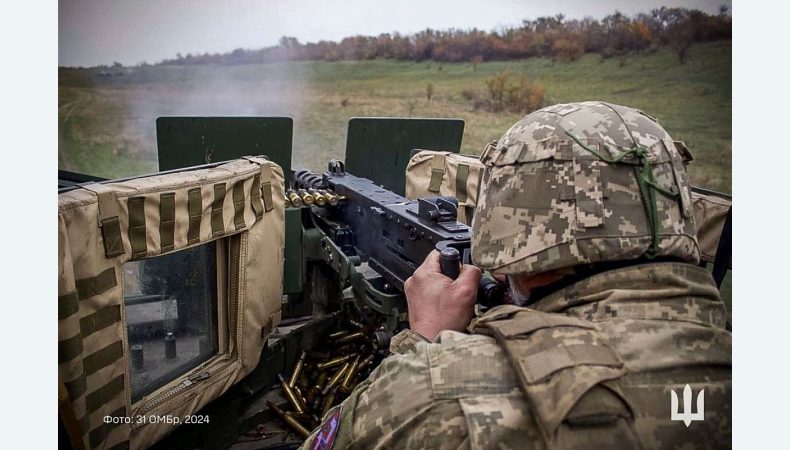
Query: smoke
(270, 89)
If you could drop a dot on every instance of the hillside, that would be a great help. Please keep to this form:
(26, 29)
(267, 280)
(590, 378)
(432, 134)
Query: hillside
(106, 120)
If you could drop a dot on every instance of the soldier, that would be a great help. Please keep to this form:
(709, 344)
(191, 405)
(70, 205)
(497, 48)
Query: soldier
(616, 338)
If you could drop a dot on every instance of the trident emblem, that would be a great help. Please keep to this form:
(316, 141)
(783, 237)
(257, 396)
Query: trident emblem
(687, 416)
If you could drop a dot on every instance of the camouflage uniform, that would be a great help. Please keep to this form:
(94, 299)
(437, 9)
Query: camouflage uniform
(592, 364)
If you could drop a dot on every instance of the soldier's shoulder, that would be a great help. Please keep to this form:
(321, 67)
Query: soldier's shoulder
(469, 364)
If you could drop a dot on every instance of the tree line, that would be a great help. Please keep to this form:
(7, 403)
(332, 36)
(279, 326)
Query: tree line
(554, 37)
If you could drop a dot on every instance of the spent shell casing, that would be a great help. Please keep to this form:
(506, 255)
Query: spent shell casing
(289, 419)
(350, 373)
(328, 401)
(321, 381)
(307, 199)
(350, 338)
(338, 334)
(294, 198)
(291, 396)
(297, 369)
(366, 362)
(335, 379)
(355, 324)
(334, 362)
(320, 199)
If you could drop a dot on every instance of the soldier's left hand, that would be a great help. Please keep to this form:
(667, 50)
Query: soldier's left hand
(437, 302)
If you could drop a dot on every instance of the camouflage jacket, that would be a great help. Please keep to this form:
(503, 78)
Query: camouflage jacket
(592, 365)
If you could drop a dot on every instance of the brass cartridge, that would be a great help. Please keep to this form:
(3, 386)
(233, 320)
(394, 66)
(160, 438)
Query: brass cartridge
(320, 199)
(350, 373)
(289, 419)
(293, 398)
(334, 362)
(297, 370)
(293, 198)
(365, 362)
(330, 197)
(350, 338)
(307, 199)
(335, 378)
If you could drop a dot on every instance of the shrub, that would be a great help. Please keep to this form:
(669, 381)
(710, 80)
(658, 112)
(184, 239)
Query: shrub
(515, 95)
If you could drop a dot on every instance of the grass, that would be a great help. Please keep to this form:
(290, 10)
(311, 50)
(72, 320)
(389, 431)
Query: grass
(106, 123)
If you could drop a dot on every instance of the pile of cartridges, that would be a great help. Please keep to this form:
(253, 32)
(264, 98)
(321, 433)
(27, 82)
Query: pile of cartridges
(325, 376)
(309, 197)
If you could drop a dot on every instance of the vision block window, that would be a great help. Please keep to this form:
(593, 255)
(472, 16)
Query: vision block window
(171, 315)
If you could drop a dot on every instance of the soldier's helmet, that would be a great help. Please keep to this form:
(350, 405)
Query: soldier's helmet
(582, 183)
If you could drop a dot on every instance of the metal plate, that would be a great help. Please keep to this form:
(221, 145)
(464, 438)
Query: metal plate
(192, 141)
(378, 148)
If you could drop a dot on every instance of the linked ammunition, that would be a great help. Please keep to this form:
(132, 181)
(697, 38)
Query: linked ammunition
(331, 197)
(307, 199)
(289, 419)
(293, 198)
(320, 199)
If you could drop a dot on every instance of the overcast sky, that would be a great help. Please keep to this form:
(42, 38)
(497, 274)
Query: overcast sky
(93, 32)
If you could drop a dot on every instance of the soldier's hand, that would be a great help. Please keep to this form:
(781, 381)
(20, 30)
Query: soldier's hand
(438, 303)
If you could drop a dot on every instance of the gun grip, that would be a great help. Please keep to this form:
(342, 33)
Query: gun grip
(450, 262)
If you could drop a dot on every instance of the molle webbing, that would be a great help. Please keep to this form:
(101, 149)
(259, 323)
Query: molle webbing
(108, 219)
(77, 386)
(137, 231)
(255, 197)
(437, 172)
(102, 358)
(167, 221)
(99, 434)
(195, 207)
(67, 305)
(266, 187)
(88, 287)
(238, 205)
(217, 218)
(100, 319)
(461, 177)
(541, 365)
(104, 394)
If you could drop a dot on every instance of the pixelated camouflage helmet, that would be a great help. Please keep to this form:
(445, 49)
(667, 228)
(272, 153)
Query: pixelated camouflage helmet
(582, 183)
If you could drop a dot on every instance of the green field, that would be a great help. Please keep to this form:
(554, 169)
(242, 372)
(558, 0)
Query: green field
(106, 121)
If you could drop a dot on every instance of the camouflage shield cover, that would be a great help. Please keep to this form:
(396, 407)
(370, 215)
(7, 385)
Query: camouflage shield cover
(580, 183)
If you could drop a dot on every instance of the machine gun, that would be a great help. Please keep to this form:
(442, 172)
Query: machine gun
(365, 224)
